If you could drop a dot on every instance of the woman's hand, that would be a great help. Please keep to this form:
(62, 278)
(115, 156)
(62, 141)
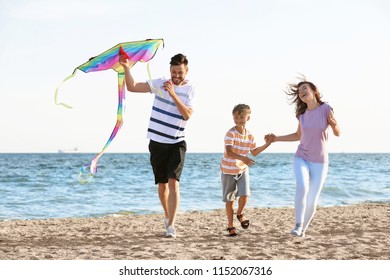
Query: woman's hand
(331, 119)
(269, 138)
(333, 124)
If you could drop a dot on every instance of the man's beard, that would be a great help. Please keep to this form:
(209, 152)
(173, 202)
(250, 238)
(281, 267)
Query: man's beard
(177, 81)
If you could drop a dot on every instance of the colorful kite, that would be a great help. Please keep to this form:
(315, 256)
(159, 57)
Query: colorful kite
(134, 51)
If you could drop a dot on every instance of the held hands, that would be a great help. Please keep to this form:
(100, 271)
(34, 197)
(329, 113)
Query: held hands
(269, 138)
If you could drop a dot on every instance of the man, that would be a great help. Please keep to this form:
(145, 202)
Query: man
(172, 108)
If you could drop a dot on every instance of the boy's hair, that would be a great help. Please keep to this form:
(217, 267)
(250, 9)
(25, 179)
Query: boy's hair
(242, 109)
(178, 60)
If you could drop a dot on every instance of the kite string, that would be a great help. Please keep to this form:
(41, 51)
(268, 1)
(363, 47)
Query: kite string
(150, 81)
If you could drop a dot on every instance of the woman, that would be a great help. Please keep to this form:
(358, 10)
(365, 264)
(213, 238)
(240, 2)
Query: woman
(311, 157)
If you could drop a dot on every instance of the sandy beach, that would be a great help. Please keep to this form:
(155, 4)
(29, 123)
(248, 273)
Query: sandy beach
(337, 233)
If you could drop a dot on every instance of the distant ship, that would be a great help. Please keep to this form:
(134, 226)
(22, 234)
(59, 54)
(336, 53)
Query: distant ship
(74, 150)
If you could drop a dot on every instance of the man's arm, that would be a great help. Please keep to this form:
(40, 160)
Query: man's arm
(131, 85)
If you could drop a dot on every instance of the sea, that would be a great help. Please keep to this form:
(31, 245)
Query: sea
(44, 186)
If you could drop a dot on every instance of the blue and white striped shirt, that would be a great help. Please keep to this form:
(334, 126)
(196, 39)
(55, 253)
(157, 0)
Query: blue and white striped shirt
(166, 124)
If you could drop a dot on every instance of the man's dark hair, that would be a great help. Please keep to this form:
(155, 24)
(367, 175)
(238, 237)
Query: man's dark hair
(179, 59)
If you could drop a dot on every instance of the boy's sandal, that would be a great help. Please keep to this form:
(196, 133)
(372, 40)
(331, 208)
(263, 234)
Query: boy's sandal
(232, 231)
(244, 223)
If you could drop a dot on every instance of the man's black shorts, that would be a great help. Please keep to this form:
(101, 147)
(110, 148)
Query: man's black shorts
(167, 160)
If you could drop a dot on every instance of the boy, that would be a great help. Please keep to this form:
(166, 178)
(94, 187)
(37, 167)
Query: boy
(234, 166)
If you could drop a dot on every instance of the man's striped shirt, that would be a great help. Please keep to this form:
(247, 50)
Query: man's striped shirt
(166, 124)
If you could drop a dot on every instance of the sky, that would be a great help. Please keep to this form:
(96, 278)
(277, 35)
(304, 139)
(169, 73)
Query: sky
(238, 52)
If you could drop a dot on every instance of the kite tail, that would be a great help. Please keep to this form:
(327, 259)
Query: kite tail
(56, 92)
(89, 170)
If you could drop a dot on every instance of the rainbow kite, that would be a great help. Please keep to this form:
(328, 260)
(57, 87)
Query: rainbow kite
(134, 51)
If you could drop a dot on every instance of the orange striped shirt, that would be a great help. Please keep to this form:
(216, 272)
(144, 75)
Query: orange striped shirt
(242, 144)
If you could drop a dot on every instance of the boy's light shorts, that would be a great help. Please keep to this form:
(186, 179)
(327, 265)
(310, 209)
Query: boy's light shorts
(234, 186)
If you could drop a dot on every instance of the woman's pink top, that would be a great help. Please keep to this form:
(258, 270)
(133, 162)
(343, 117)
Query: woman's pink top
(314, 134)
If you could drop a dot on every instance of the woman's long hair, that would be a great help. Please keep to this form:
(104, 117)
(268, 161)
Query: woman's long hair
(293, 93)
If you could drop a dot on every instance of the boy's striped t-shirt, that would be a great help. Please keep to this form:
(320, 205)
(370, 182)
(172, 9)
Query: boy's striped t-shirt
(166, 124)
(242, 144)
